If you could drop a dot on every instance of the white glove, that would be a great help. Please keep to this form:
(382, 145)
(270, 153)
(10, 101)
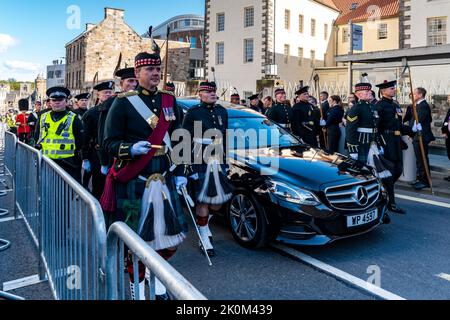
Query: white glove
(381, 150)
(86, 166)
(104, 170)
(416, 127)
(180, 183)
(354, 156)
(140, 148)
(323, 123)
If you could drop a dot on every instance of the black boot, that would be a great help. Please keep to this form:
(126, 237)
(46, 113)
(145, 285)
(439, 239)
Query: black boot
(394, 208)
(386, 218)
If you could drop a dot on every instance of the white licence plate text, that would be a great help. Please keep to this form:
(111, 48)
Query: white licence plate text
(361, 219)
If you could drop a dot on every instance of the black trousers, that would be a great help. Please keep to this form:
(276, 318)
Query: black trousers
(333, 135)
(72, 166)
(421, 173)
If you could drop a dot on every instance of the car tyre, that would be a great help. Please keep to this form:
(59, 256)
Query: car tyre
(247, 221)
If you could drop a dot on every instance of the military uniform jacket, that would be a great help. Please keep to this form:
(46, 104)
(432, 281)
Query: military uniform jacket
(90, 142)
(362, 122)
(211, 117)
(391, 128)
(281, 114)
(305, 121)
(80, 113)
(334, 116)
(105, 158)
(124, 126)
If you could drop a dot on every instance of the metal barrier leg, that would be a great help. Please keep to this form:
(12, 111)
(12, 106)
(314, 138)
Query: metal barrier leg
(4, 244)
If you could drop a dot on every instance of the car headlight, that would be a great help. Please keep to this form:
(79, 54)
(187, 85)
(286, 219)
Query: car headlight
(292, 194)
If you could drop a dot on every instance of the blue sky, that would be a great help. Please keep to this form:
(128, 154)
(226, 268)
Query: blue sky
(34, 33)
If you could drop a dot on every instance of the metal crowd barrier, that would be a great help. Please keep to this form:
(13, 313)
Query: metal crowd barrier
(73, 239)
(119, 235)
(7, 146)
(28, 162)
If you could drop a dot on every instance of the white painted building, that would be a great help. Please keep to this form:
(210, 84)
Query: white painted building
(252, 36)
(56, 74)
(4, 90)
(427, 23)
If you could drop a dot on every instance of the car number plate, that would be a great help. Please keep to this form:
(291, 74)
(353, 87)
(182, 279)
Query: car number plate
(361, 219)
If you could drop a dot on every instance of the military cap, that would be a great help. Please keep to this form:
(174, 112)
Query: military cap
(302, 90)
(279, 90)
(107, 85)
(170, 86)
(82, 96)
(145, 59)
(387, 84)
(207, 86)
(363, 86)
(253, 97)
(23, 105)
(126, 73)
(58, 93)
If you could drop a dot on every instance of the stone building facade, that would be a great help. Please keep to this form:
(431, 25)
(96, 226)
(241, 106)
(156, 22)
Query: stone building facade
(98, 48)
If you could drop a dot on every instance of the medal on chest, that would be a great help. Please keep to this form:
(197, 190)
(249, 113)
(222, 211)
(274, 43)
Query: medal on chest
(220, 120)
(169, 114)
(399, 111)
(375, 114)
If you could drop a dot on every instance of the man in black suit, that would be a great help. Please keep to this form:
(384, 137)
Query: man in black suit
(422, 128)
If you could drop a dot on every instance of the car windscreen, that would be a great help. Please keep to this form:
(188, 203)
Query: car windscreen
(255, 133)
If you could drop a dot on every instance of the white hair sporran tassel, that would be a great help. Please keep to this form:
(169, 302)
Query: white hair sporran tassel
(155, 204)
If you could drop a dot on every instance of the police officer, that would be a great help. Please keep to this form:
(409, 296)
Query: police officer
(391, 129)
(305, 122)
(208, 175)
(91, 146)
(81, 104)
(61, 133)
(128, 83)
(141, 187)
(280, 112)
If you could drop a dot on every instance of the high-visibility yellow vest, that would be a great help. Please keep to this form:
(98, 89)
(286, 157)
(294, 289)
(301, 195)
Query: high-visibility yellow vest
(10, 121)
(54, 145)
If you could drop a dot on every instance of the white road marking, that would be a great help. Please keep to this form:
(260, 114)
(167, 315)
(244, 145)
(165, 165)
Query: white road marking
(444, 276)
(432, 202)
(9, 219)
(337, 273)
(20, 283)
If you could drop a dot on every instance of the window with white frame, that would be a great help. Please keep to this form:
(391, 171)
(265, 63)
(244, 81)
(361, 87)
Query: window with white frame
(220, 22)
(313, 58)
(345, 35)
(249, 17)
(301, 23)
(220, 53)
(313, 27)
(382, 31)
(286, 53)
(300, 56)
(287, 19)
(248, 50)
(437, 31)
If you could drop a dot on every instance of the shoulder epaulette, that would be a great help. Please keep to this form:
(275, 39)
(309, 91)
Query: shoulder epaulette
(167, 92)
(127, 94)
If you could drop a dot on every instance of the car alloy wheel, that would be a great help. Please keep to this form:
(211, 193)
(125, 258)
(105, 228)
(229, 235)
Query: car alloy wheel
(247, 221)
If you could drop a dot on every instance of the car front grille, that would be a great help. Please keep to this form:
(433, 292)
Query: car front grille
(355, 196)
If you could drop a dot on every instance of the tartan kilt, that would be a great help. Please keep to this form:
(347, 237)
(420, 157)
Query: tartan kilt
(129, 197)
